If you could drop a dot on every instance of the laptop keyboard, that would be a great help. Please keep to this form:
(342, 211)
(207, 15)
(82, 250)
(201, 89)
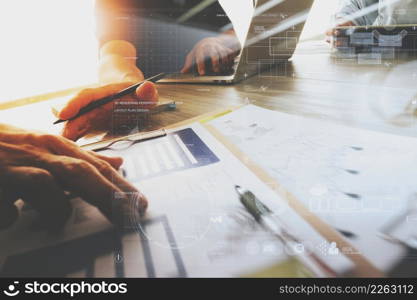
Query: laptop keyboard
(209, 72)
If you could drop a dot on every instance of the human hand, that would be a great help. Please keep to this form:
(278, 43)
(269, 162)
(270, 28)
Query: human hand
(114, 115)
(333, 33)
(219, 51)
(43, 170)
(117, 71)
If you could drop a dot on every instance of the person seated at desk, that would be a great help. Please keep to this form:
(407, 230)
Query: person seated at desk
(374, 12)
(139, 39)
(42, 169)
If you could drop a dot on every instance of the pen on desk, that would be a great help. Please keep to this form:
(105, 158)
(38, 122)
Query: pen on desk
(265, 217)
(111, 98)
(262, 214)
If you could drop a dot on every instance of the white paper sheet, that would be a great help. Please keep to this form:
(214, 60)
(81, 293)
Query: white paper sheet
(39, 117)
(356, 180)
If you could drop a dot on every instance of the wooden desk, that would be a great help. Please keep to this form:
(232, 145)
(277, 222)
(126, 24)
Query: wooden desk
(314, 84)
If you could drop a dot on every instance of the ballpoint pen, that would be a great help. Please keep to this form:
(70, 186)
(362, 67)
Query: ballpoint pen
(266, 218)
(105, 100)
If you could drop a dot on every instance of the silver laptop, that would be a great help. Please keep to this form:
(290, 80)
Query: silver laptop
(271, 39)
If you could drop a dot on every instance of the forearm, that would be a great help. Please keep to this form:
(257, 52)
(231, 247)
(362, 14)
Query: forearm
(350, 11)
(118, 62)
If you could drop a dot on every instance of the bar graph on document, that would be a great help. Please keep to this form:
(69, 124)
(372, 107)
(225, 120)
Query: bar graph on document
(177, 151)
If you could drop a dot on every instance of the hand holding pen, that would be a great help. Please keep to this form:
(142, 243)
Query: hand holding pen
(107, 107)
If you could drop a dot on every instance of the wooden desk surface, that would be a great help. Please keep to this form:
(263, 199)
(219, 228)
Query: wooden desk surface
(313, 84)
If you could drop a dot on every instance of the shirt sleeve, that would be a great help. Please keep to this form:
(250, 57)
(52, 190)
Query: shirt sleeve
(351, 8)
(113, 19)
(120, 19)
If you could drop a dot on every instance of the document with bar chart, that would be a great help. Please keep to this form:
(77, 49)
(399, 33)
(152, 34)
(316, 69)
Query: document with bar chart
(177, 151)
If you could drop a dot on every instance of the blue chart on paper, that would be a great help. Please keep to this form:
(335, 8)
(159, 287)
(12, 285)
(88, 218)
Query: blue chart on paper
(177, 151)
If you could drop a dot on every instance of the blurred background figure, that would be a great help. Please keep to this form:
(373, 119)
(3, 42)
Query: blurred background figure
(374, 13)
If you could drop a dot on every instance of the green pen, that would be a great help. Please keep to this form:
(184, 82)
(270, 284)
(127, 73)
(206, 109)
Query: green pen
(262, 213)
(270, 222)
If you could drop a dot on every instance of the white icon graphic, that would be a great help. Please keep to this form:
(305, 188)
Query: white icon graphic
(216, 219)
(253, 248)
(11, 290)
(269, 248)
(299, 248)
(349, 250)
(333, 250)
(119, 258)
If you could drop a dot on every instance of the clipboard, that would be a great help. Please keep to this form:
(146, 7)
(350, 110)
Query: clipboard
(362, 266)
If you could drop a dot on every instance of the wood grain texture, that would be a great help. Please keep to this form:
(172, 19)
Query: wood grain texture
(313, 84)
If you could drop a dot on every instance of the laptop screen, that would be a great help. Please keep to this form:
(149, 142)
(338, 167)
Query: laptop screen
(275, 29)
